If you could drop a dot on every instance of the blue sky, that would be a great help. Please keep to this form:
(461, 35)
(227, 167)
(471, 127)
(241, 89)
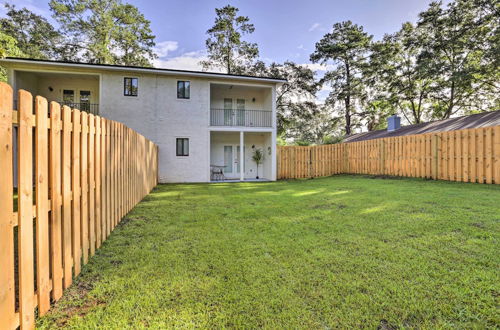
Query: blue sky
(284, 30)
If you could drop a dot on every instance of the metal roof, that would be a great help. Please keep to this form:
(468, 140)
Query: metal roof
(485, 119)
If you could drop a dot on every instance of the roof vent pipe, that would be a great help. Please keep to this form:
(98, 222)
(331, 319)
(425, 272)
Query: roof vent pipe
(393, 123)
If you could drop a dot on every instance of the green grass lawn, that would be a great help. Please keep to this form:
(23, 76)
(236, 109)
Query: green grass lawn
(339, 252)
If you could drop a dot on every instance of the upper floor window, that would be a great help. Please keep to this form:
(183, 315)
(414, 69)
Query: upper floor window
(183, 89)
(130, 86)
(68, 96)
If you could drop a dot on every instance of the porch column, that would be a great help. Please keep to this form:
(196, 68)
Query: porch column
(242, 156)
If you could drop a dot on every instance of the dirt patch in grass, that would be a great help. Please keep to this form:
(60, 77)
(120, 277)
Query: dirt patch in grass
(76, 302)
(328, 206)
(385, 325)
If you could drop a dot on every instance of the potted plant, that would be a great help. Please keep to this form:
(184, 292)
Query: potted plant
(258, 158)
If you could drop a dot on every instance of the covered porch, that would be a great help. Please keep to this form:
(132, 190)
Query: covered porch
(229, 148)
(80, 91)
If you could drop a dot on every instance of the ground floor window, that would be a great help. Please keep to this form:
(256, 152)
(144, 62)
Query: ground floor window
(182, 148)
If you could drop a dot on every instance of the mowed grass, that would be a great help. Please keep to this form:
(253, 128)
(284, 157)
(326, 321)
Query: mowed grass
(339, 252)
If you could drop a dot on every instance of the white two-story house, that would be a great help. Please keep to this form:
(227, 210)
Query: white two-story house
(202, 122)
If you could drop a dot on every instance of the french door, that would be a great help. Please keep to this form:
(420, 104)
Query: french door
(232, 161)
(234, 116)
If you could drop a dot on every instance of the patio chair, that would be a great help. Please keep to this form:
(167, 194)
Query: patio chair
(217, 173)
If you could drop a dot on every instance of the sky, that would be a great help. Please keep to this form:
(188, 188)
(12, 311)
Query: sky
(284, 29)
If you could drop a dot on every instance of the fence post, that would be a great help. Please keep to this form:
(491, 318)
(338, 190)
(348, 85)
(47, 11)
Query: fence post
(382, 157)
(310, 163)
(7, 293)
(496, 151)
(435, 156)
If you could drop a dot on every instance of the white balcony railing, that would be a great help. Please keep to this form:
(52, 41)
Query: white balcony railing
(239, 117)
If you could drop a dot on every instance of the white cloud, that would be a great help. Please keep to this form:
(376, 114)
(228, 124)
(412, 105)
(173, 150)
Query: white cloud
(314, 27)
(318, 66)
(163, 48)
(186, 61)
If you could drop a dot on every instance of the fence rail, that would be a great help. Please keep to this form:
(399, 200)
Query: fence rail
(471, 155)
(78, 175)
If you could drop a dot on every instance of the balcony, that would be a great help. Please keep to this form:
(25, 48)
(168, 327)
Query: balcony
(92, 108)
(241, 118)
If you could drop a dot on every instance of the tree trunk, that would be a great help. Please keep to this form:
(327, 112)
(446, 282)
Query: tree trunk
(348, 100)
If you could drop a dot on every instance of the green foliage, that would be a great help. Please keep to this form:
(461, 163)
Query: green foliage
(303, 143)
(316, 127)
(397, 77)
(295, 99)
(332, 139)
(225, 47)
(258, 156)
(342, 252)
(456, 56)
(346, 48)
(8, 47)
(105, 31)
(35, 36)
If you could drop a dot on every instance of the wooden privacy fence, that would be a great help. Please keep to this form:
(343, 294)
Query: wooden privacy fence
(78, 175)
(470, 155)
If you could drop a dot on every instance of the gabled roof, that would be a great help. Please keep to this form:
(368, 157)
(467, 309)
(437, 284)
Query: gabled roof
(484, 119)
(138, 69)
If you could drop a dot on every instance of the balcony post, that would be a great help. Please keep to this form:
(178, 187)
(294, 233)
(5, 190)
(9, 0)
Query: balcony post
(242, 155)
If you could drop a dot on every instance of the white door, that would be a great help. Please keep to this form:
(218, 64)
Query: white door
(232, 161)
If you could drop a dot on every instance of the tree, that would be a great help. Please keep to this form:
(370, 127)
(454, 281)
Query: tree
(105, 31)
(225, 47)
(8, 47)
(397, 76)
(455, 56)
(295, 99)
(318, 128)
(35, 36)
(346, 47)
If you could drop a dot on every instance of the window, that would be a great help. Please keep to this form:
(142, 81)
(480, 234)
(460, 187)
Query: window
(183, 89)
(68, 96)
(130, 86)
(85, 100)
(182, 147)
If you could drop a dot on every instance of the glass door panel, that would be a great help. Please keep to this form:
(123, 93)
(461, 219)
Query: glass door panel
(228, 159)
(68, 96)
(85, 100)
(228, 111)
(240, 110)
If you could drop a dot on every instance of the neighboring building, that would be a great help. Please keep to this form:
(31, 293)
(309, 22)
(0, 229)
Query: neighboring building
(394, 128)
(199, 120)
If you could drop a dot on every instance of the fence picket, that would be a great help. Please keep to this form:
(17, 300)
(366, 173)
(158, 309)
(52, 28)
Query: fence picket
(97, 179)
(84, 214)
(7, 289)
(42, 205)
(66, 196)
(496, 150)
(25, 212)
(76, 188)
(55, 198)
